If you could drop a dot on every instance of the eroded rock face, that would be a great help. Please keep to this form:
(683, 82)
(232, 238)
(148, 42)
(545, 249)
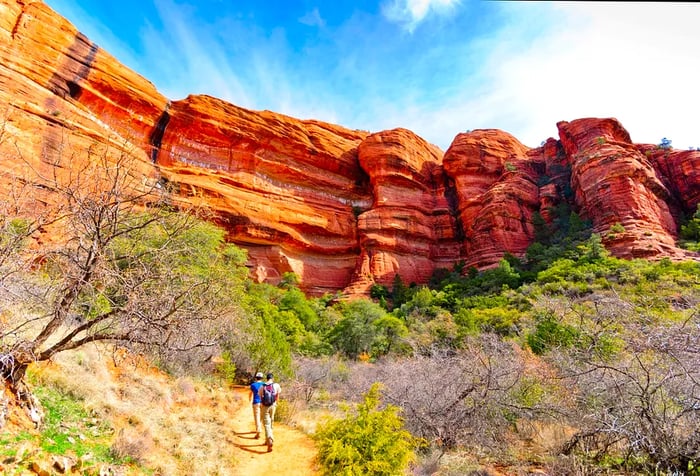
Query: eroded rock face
(343, 209)
(617, 186)
(497, 194)
(61, 95)
(410, 227)
(285, 189)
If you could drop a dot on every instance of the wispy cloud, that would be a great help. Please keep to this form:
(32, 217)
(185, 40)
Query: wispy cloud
(409, 13)
(529, 65)
(235, 60)
(313, 18)
(189, 57)
(636, 62)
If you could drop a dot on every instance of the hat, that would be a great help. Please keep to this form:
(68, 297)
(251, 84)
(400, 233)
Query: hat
(259, 375)
(269, 376)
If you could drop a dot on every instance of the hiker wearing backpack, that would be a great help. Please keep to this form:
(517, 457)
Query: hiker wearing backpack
(269, 393)
(256, 401)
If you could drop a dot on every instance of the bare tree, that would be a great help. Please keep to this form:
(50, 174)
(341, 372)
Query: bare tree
(102, 256)
(634, 382)
(449, 397)
(314, 374)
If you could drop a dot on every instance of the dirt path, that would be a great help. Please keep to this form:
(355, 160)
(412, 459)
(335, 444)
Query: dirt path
(293, 454)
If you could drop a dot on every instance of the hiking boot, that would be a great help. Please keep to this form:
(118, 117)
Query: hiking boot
(269, 445)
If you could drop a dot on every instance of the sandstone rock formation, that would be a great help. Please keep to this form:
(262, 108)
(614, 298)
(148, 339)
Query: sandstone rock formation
(409, 228)
(343, 209)
(496, 194)
(615, 183)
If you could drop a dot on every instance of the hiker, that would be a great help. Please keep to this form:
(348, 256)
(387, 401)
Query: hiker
(269, 393)
(255, 400)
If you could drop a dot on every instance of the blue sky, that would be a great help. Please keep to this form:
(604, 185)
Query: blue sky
(437, 67)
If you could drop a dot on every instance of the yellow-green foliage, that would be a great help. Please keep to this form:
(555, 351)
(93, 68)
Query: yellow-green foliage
(227, 367)
(367, 441)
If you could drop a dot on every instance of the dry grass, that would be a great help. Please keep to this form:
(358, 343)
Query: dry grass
(133, 444)
(167, 426)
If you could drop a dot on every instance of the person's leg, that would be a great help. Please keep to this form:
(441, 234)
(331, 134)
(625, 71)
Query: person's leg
(268, 416)
(256, 418)
(273, 408)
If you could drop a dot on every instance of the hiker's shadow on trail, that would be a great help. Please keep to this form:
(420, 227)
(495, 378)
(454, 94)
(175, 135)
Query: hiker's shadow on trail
(254, 447)
(248, 435)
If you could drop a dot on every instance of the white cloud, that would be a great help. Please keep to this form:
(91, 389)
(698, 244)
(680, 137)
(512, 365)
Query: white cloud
(410, 13)
(313, 18)
(636, 62)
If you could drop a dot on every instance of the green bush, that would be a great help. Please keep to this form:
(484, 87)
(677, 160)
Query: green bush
(617, 228)
(368, 441)
(691, 230)
(549, 334)
(359, 329)
(500, 320)
(227, 367)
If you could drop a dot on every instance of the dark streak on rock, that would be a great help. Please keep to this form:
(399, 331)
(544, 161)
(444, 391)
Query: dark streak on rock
(65, 82)
(156, 137)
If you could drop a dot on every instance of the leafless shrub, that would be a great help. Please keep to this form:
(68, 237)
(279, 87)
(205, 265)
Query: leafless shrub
(572, 465)
(312, 375)
(131, 443)
(185, 390)
(641, 402)
(457, 399)
(105, 258)
(450, 398)
(427, 464)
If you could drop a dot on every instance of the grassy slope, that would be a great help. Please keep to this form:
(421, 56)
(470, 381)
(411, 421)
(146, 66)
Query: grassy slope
(132, 418)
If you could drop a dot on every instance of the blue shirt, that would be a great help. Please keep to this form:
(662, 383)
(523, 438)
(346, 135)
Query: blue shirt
(255, 388)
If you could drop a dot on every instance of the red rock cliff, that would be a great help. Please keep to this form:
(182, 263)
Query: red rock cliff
(342, 209)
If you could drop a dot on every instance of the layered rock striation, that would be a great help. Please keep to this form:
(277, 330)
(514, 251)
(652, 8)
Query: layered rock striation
(343, 209)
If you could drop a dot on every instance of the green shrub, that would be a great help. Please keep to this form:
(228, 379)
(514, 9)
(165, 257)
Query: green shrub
(378, 291)
(500, 320)
(617, 228)
(360, 328)
(549, 334)
(691, 230)
(227, 367)
(528, 392)
(367, 441)
(285, 411)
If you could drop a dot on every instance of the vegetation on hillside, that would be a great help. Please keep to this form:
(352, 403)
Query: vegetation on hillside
(121, 266)
(600, 353)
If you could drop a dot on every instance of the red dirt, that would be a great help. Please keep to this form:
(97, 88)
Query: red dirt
(294, 453)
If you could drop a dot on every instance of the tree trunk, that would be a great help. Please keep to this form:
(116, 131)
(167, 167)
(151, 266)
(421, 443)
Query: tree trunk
(13, 369)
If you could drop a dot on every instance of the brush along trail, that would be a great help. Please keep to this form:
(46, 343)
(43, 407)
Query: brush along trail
(293, 454)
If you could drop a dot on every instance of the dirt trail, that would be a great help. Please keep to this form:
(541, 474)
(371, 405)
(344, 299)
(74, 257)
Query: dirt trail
(293, 454)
